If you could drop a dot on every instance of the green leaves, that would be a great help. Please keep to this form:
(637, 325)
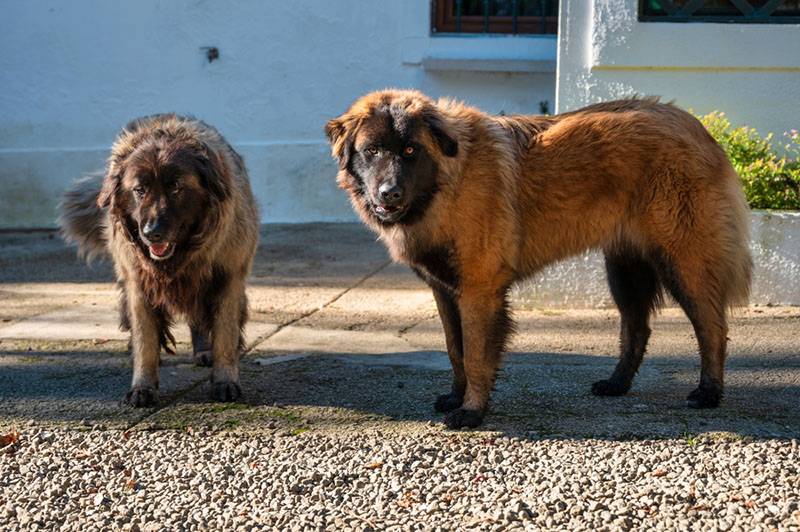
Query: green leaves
(770, 177)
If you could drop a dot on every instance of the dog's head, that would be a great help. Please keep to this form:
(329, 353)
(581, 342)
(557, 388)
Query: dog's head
(164, 184)
(389, 145)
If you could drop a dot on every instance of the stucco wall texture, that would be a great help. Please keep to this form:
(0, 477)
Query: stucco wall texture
(749, 71)
(580, 282)
(73, 73)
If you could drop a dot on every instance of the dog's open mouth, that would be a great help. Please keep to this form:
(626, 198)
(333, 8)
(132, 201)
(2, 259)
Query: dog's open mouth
(388, 212)
(161, 250)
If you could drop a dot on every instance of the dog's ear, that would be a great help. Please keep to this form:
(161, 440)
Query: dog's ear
(340, 135)
(109, 189)
(439, 129)
(213, 173)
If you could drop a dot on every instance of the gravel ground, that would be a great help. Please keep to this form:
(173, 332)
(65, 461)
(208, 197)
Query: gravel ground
(337, 432)
(70, 479)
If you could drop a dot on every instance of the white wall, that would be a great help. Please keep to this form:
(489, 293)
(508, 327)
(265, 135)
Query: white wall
(73, 73)
(749, 71)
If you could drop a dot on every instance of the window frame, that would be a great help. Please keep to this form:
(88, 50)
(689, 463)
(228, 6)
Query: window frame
(443, 23)
(754, 17)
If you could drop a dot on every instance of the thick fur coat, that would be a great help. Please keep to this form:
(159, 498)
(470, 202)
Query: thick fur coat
(175, 212)
(474, 203)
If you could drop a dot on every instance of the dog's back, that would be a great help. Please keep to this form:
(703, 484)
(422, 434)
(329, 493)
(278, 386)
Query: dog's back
(640, 174)
(647, 183)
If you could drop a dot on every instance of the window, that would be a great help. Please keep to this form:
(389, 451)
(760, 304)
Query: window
(736, 11)
(495, 16)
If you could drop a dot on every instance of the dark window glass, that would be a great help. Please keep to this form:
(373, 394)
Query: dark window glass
(741, 11)
(495, 16)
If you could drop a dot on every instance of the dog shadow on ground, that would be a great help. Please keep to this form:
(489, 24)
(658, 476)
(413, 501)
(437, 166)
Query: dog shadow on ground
(537, 395)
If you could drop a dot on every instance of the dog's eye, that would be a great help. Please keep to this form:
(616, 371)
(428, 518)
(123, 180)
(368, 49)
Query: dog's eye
(372, 150)
(139, 191)
(408, 151)
(176, 188)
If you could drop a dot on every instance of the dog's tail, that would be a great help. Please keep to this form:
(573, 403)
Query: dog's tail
(735, 241)
(81, 220)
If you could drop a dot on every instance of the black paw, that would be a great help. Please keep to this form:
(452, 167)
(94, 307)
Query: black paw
(610, 387)
(226, 392)
(203, 358)
(704, 397)
(463, 418)
(448, 402)
(141, 397)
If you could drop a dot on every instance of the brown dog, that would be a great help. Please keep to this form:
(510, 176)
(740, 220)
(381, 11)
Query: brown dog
(474, 203)
(175, 212)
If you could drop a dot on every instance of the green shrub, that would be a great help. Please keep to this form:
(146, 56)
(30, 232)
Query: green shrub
(770, 180)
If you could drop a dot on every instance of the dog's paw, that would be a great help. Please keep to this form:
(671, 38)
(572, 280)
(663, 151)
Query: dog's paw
(704, 397)
(610, 387)
(448, 402)
(226, 392)
(462, 417)
(203, 358)
(141, 397)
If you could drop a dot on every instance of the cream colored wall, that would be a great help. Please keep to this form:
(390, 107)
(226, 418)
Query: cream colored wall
(73, 73)
(749, 71)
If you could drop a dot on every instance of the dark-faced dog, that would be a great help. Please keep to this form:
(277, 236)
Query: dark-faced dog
(474, 203)
(175, 212)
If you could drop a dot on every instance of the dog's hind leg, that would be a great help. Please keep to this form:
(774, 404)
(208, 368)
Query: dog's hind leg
(451, 322)
(702, 297)
(243, 317)
(201, 347)
(637, 293)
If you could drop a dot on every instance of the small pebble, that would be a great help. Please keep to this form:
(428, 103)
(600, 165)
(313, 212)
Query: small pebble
(373, 480)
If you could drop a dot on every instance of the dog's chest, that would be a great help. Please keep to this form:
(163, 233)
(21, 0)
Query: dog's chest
(176, 294)
(437, 266)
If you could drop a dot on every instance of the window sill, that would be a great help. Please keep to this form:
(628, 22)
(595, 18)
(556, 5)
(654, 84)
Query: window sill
(483, 53)
(432, 63)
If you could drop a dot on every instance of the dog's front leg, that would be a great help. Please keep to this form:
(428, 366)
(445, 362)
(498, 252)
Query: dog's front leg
(145, 347)
(485, 323)
(451, 322)
(225, 340)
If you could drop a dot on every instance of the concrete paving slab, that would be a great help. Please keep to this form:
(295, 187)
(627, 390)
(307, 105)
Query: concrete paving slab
(79, 383)
(99, 322)
(73, 323)
(22, 301)
(342, 340)
(545, 394)
(283, 303)
(312, 339)
(319, 255)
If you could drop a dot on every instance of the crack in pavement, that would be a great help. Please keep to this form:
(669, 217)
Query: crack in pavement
(263, 338)
(403, 330)
(258, 341)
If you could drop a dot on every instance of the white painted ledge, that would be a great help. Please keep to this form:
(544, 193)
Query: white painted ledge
(482, 53)
(433, 63)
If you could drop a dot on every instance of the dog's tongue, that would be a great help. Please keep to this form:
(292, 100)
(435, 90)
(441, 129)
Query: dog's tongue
(159, 249)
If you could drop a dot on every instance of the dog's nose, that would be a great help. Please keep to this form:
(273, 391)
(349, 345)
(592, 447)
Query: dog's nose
(391, 194)
(153, 230)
